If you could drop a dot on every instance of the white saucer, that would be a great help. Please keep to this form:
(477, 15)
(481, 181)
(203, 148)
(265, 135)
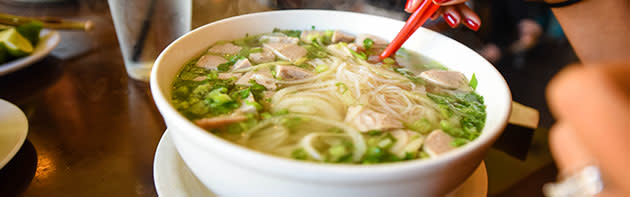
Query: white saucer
(173, 178)
(48, 40)
(13, 130)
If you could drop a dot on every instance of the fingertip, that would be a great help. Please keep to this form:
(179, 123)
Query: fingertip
(436, 15)
(412, 5)
(450, 20)
(451, 16)
(471, 24)
(470, 18)
(559, 91)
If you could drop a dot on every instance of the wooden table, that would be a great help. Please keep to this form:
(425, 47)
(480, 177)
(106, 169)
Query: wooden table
(93, 131)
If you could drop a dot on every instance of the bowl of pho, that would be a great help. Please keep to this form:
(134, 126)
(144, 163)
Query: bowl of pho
(297, 103)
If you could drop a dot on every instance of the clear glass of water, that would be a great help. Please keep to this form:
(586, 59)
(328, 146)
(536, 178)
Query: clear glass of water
(145, 27)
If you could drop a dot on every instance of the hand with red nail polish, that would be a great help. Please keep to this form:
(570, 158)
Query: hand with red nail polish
(454, 12)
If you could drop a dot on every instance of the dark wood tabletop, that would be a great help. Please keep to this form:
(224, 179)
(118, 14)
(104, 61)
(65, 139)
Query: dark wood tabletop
(93, 131)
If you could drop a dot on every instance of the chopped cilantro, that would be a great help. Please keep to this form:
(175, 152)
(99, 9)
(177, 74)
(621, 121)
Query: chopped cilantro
(315, 50)
(422, 126)
(411, 155)
(321, 68)
(367, 43)
(342, 87)
(374, 132)
(361, 55)
(281, 112)
(255, 104)
(409, 75)
(457, 142)
(423, 155)
(213, 75)
(389, 60)
(373, 154)
(265, 115)
(471, 109)
(473, 82)
(256, 50)
(256, 89)
(299, 154)
(231, 60)
(248, 41)
(290, 33)
(224, 67)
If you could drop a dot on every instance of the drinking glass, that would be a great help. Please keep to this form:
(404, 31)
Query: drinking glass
(145, 27)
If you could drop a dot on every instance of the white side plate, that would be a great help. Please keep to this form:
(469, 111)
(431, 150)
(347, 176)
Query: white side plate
(13, 130)
(173, 178)
(48, 40)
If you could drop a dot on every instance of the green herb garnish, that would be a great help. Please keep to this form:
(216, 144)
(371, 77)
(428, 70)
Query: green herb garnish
(367, 43)
(290, 33)
(473, 82)
(471, 109)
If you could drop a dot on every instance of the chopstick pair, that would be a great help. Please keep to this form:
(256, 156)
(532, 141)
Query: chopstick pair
(426, 9)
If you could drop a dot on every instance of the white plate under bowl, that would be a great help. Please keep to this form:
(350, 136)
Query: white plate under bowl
(173, 178)
(48, 40)
(13, 130)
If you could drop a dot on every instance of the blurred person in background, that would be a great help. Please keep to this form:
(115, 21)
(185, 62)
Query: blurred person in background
(590, 141)
(515, 27)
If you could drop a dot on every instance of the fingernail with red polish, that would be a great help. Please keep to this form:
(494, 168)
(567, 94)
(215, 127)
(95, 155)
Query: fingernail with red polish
(440, 1)
(472, 24)
(450, 20)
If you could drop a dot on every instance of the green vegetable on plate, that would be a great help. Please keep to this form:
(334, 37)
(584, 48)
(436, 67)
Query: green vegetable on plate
(20, 41)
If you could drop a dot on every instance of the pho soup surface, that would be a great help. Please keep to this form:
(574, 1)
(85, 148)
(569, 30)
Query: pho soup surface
(324, 96)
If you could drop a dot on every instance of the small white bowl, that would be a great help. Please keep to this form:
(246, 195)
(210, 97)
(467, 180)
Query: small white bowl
(232, 170)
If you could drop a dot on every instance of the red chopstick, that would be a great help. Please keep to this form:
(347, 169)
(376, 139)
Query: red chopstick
(415, 21)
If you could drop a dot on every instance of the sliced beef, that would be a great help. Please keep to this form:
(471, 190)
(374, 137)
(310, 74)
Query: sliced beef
(225, 49)
(446, 79)
(210, 62)
(263, 57)
(365, 119)
(242, 63)
(291, 73)
(286, 51)
(279, 38)
(200, 78)
(262, 77)
(339, 36)
(308, 35)
(229, 75)
(219, 121)
(438, 142)
(246, 107)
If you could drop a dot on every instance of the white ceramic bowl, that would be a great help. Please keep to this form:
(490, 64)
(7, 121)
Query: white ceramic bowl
(231, 170)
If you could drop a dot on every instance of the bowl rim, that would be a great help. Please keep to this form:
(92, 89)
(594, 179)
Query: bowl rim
(289, 167)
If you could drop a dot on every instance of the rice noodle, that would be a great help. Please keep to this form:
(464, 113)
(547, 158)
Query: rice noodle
(325, 97)
(355, 136)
